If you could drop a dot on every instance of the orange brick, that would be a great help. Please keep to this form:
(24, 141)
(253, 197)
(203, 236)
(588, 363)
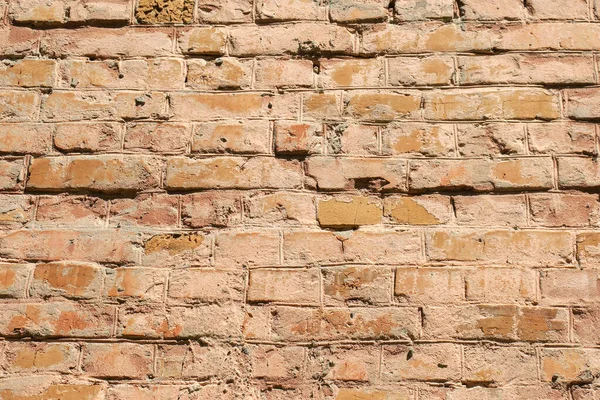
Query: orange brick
(413, 71)
(88, 137)
(13, 279)
(12, 174)
(549, 209)
(50, 388)
(390, 106)
(418, 210)
(18, 41)
(418, 139)
(71, 211)
(28, 73)
(167, 138)
(298, 139)
(334, 73)
(18, 106)
(152, 210)
(569, 365)
(40, 357)
(25, 138)
(67, 279)
(166, 249)
(244, 137)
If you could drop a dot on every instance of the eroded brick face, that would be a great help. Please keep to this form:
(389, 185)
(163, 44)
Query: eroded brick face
(299, 199)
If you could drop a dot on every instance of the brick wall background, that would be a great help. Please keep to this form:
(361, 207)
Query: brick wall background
(299, 199)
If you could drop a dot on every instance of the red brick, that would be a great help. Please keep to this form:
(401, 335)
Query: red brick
(578, 172)
(301, 286)
(569, 365)
(244, 137)
(224, 11)
(109, 246)
(40, 357)
(352, 139)
(438, 362)
(345, 364)
(283, 73)
(500, 365)
(18, 106)
(429, 285)
(166, 138)
(12, 174)
(330, 173)
(67, 279)
(13, 279)
(427, 71)
(303, 38)
(501, 285)
(287, 208)
(152, 210)
(247, 248)
(221, 73)
(304, 324)
(197, 285)
(562, 138)
(88, 137)
(60, 319)
(172, 249)
(418, 139)
(100, 173)
(203, 40)
(72, 211)
(117, 360)
(418, 210)
(491, 139)
(356, 285)
(108, 42)
(496, 322)
(526, 70)
(481, 175)
(553, 209)
(138, 283)
(25, 138)
(334, 73)
(299, 139)
(28, 73)
(232, 173)
(389, 106)
(491, 210)
(519, 247)
(16, 210)
(211, 208)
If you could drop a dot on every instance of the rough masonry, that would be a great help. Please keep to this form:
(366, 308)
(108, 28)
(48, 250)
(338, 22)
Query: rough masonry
(299, 199)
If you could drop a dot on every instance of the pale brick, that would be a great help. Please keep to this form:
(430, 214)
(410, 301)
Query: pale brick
(250, 137)
(334, 73)
(440, 362)
(288, 10)
(211, 208)
(583, 103)
(553, 209)
(137, 283)
(352, 139)
(429, 285)
(152, 210)
(311, 247)
(585, 322)
(415, 71)
(298, 139)
(358, 11)
(71, 211)
(491, 139)
(578, 172)
(280, 208)
(194, 361)
(345, 364)
(202, 40)
(189, 248)
(501, 285)
(382, 247)
(491, 210)
(198, 285)
(58, 12)
(418, 210)
(221, 73)
(25, 138)
(273, 362)
(573, 286)
(563, 138)
(117, 360)
(356, 285)
(18, 41)
(382, 106)
(569, 365)
(321, 106)
(88, 137)
(16, 210)
(500, 365)
(28, 73)
(237, 249)
(13, 279)
(12, 174)
(301, 286)
(224, 11)
(18, 106)
(416, 138)
(166, 138)
(412, 10)
(588, 248)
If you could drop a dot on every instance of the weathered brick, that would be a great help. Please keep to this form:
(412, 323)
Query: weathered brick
(58, 12)
(345, 364)
(500, 365)
(491, 139)
(87, 137)
(40, 357)
(514, 9)
(280, 207)
(439, 362)
(168, 138)
(25, 138)
(415, 138)
(553, 209)
(203, 40)
(109, 246)
(250, 137)
(221, 73)
(382, 246)
(582, 103)
(413, 10)
(356, 285)
(477, 104)
(18, 41)
(569, 365)
(573, 286)
(153, 210)
(585, 321)
(382, 106)
(117, 360)
(578, 172)
(18, 106)
(418, 210)
(321, 106)
(100, 173)
(348, 212)
(16, 210)
(211, 208)
(302, 39)
(588, 247)
(499, 322)
(481, 175)
(289, 10)
(526, 70)
(414, 71)
(194, 361)
(197, 285)
(501, 285)
(352, 139)
(273, 362)
(60, 319)
(108, 43)
(562, 138)
(237, 249)
(224, 11)
(71, 211)
(397, 393)
(28, 73)
(585, 393)
(67, 279)
(301, 286)
(138, 283)
(334, 73)
(312, 247)
(525, 247)
(329, 173)
(491, 210)
(305, 324)
(429, 285)
(50, 388)
(357, 11)
(161, 12)
(13, 279)
(166, 249)
(299, 139)
(12, 174)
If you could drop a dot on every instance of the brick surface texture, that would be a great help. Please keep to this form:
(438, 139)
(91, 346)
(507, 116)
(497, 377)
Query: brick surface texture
(299, 199)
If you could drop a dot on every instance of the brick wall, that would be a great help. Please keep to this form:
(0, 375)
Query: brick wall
(299, 199)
